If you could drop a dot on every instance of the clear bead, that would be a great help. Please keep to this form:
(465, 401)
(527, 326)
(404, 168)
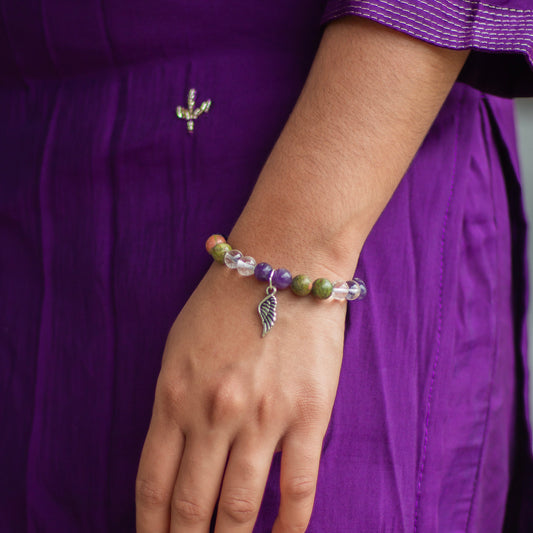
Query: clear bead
(354, 290)
(246, 266)
(232, 258)
(363, 288)
(340, 290)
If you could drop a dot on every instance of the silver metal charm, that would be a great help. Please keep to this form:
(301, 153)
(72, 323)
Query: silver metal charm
(267, 307)
(190, 114)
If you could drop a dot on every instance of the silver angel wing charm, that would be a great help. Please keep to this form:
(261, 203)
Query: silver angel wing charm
(267, 310)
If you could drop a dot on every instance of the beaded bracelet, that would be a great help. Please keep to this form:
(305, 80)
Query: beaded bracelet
(280, 278)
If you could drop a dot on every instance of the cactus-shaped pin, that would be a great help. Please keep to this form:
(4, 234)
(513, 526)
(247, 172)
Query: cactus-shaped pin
(190, 114)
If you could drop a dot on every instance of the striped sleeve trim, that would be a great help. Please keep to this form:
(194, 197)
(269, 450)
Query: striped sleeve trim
(457, 24)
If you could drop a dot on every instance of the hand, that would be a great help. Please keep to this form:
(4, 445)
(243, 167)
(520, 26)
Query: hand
(226, 394)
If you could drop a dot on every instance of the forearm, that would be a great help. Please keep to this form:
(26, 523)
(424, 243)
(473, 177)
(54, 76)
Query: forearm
(368, 102)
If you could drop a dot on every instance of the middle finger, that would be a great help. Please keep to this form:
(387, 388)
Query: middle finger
(198, 482)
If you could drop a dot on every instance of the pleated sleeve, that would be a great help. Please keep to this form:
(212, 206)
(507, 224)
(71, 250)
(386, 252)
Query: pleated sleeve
(499, 33)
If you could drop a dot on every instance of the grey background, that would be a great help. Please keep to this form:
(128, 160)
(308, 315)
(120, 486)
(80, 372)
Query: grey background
(524, 115)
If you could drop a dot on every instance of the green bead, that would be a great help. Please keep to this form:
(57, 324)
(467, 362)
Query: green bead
(301, 285)
(322, 288)
(219, 251)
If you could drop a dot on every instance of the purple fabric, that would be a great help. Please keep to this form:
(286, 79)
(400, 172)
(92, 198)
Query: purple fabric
(499, 33)
(106, 201)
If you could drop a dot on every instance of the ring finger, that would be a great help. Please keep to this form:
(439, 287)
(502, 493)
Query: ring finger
(244, 483)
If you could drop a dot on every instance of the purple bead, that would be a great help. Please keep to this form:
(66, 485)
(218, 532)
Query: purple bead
(282, 278)
(262, 271)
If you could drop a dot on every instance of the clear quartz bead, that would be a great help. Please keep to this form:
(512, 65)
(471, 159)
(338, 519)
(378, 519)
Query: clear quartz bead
(232, 258)
(354, 290)
(340, 290)
(246, 266)
(362, 287)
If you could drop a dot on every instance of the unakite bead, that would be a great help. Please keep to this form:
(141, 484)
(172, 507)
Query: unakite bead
(322, 288)
(213, 241)
(301, 285)
(219, 251)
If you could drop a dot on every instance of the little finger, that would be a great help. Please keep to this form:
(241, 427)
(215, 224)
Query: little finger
(300, 459)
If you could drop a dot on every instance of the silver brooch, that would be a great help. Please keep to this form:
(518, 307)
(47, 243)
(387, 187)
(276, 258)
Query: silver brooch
(190, 114)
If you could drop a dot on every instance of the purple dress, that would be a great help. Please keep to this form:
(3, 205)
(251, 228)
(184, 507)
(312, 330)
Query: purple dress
(106, 200)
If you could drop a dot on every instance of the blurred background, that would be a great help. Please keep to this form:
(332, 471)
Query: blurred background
(524, 115)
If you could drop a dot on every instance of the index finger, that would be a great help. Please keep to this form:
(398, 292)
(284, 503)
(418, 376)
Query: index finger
(158, 468)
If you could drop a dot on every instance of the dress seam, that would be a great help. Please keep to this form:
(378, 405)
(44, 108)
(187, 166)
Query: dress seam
(438, 333)
(45, 310)
(487, 416)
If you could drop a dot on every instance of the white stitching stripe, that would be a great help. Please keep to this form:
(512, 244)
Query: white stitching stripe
(472, 13)
(444, 36)
(493, 28)
(474, 8)
(476, 3)
(465, 35)
(473, 29)
(437, 36)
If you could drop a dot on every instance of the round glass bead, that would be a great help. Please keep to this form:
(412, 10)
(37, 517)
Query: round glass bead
(354, 290)
(213, 241)
(282, 278)
(219, 251)
(322, 288)
(246, 266)
(232, 258)
(301, 285)
(363, 288)
(262, 271)
(340, 290)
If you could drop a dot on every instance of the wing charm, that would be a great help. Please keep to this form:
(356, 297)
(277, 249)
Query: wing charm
(267, 310)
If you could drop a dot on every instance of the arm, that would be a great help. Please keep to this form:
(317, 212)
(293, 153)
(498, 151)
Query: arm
(369, 100)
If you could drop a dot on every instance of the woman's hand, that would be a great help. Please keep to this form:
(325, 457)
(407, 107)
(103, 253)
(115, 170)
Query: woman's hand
(225, 394)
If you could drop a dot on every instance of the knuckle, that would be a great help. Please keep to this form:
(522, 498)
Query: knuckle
(312, 407)
(171, 397)
(227, 402)
(150, 494)
(240, 506)
(299, 488)
(189, 511)
(267, 410)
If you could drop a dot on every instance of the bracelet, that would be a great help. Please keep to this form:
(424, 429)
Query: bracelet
(280, 278)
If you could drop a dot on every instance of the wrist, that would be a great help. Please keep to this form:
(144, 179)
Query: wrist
(279, 279)
(300, 250)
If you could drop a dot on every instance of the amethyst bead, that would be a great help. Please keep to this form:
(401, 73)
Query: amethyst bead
(282, 278)
(262, 271)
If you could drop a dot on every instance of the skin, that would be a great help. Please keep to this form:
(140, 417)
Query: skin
(225, 394)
